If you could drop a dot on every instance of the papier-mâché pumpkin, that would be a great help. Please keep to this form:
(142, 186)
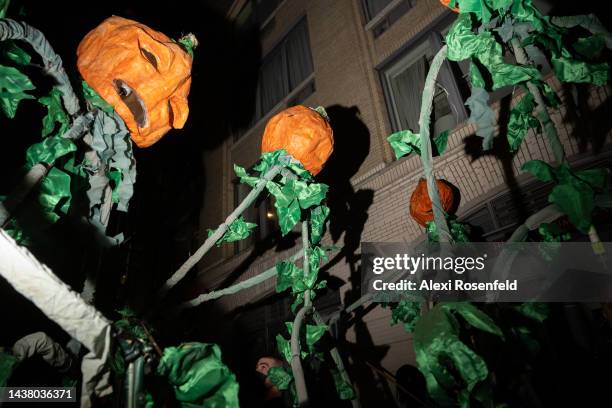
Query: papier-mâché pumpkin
(447, 2)
(141, 72)
(303, 133)
(420, 204)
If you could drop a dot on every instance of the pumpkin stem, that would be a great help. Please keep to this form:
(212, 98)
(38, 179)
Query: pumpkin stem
(189, 42)
(321, 111)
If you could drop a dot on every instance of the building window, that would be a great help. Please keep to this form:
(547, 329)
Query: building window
(257, 13)
(381, 14)
(404, 80)
(284, 74)
(261, 213)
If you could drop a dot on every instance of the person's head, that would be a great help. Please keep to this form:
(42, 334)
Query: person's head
(263, 366)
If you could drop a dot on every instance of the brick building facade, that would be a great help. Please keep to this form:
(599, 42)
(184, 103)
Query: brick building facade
(350, 52)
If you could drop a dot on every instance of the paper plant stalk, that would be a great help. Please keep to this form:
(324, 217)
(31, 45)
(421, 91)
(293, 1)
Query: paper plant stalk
(296, 362)
(426, 151)
(219, 232)
(14, 30)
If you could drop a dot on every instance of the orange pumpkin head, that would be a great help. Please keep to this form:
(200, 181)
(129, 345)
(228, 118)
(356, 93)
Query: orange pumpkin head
(420, 204)
(141, 72)
(303, 133)
(447, 2)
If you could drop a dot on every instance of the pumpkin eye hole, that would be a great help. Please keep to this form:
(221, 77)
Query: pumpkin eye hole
(150, 57)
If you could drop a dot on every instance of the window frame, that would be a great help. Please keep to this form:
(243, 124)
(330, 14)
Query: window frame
(431, 39)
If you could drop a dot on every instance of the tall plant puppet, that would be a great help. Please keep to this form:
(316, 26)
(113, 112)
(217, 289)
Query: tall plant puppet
(135, 83)
(485, 31)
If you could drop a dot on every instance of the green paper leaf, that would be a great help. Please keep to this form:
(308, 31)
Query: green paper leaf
(482, 116)
(576, 199)
(280, 377)
(590, 47)
(284, 347)
(540, 169)
(407, 313)
(286, 275)
(345, 391)
(244, 176)
(597, 178)
(521, 120)
(239, 229)
(8, 362)
(533, 310)
(54, 194)
(475, 317)
(308, 194)
(48, 150)
(571, 70)
(12, 52)
(318, 215)
(552, 233)
(13, 85)
(441, 141)
(314, 334)
(3, 7)
(94, 99)
(288, 216)
(299, 299)
(55, 113)
(458, 231)
(404, 143)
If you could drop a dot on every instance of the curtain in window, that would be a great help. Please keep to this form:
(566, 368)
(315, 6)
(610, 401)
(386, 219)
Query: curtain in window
(273, 81)
(407, 88)
(299, 59)
(373, 7)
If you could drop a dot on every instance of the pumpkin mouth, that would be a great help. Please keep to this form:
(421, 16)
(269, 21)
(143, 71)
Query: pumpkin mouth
(133, 101)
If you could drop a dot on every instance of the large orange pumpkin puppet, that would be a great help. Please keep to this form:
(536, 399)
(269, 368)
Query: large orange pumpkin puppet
(304, 133)
(141, 72)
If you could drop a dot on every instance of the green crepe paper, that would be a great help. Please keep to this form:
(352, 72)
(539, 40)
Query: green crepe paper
(286, 275)
(55, 113)
(482, 116)
(198, 376)
(114, 176)
(521, 120)
(284, 348)
(12, 52)
(48, 150)
(3, 6)
(405, 142)
(280, 377)
(292, 196)
(437, 345)
(590, 47)
(239, 229)
(464, 44)
(407, 313)
(550, 96)
(574, 193)
(318, 215)
(53, 191)
(533, 310)
(95, 99)
(314, 334)
(345, 391)
(458, 231)
(13, 85)
(571, 70)
(552, 233)
(8, 364)
(244, 176)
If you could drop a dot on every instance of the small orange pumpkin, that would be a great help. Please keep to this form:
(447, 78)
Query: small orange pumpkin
(420, 204)
(446, 3)
(141, 72)
(303, 133)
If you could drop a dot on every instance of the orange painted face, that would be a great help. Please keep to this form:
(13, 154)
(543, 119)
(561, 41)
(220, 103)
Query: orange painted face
(141, 72)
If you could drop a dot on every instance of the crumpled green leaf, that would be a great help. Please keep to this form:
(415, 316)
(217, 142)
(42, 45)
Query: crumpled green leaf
(286, 274)
(237, 230)
(13, 52)
(459, 231)
(284, 347)
(280, 377)
(3, 7)
(463, 44)
(533, 310)
(13, 87)
(540, 169)
(551, 232)
(591, 46)
(314, 334)
(48, 150)
(198, 376)
(308, 194)
(55, 113)
(521, 120)
(406, 312)
(244, 176)
(318, 215)
(437, 345)
(8, 364)
(345, 391)
(405, 142)
(54, 194)
(94, 99)
(288, 216)
(572, 70)
(482, 116)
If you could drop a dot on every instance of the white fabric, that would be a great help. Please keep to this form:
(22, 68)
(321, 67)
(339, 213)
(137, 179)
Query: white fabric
(41, 344)
(61, 304)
